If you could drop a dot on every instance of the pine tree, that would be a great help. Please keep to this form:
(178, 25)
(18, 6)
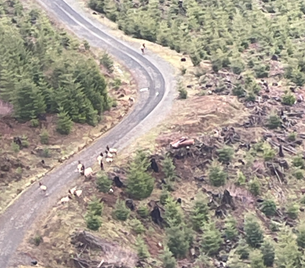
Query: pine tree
(168, 168)
(254, 234)
(268, 207)
(199, 215)
(204, 261)
(95, 207)
(163, 34)
(97, 5)
(168, 260)
(93, 221)
(254, 187)
(173, 214)
(235, 262)
(268, 252)
(230, 229)
(91, 115)
(7, 81)
(216, 175)
(287, 253)
(28, 100)
(301, 236)
(163, 196)
(103, 182)
(179, 239)
(242, 249)
(225, 154)
(142, 248)
(256, 258)
(241, 178)
(139, 183)
(64, 122)
(137, 226)
(121, 212)
(292, 210)
(211, 239)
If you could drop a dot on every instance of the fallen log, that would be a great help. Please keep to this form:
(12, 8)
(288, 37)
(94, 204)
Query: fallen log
(302, 136)
(286, 148)
(112, 253)
(299, 115)
(281, 154)
(80, 263)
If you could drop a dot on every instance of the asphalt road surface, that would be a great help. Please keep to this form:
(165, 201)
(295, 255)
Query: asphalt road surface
(152, 105)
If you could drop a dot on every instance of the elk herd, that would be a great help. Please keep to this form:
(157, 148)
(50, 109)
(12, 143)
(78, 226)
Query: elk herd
(108, 154)
(86, 172)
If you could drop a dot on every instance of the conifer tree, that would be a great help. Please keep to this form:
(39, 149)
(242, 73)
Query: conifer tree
(164, 196)
(28, 101)
(179, 238)
(254, 234)
(230, 229)
(64, 122)
(93, 221)
(139, 183)
(211, 239)
(217, 176)
(121, 212)
(268, 207)
(268, 252)
(142, 248)
(168, 260)
(168, 168)
(95, 207)
(301, 236)
(286, 251)
(173, 214)
(199, 215)
(91, 115)
(242, 249)
(257, 261)
(103, 182)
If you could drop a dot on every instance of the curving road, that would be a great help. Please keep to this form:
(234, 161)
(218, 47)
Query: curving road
(149, 71)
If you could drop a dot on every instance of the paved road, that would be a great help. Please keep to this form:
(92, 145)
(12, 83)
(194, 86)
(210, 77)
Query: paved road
(150, 72)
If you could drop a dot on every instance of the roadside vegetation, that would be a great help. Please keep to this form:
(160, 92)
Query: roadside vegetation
(57, 95)
(234, 198)
(42, 71)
